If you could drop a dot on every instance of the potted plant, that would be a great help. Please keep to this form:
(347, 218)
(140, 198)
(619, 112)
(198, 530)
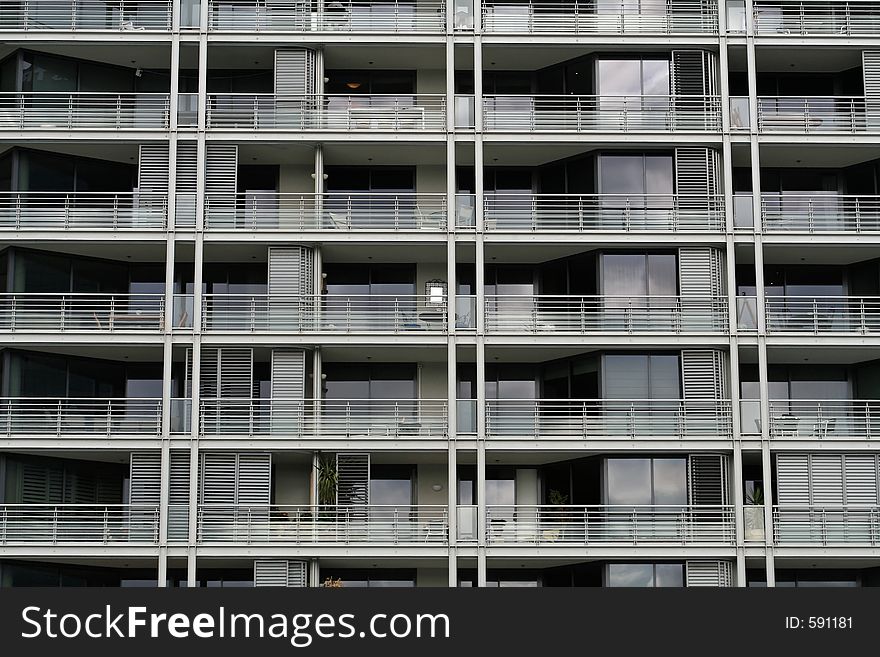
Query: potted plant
(753, 513)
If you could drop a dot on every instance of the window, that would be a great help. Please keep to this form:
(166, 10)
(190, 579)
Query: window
(645, 575)
(632, 77)
(391, 485)
(641, 376)
(646, 481)
(639, 181)
(639, 274)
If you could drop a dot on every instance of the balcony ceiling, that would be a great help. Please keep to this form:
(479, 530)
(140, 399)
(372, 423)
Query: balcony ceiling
(816, 60)
(830, 156)
(814, 355)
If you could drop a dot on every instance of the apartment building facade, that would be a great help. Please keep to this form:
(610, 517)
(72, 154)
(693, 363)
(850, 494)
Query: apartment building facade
(440, 293)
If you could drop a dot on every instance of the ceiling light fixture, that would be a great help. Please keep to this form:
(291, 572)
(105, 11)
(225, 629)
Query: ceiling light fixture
(353, 85)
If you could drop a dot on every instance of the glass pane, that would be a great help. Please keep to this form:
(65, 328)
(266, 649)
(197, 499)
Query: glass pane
(629, 481)
(662, 275)
(655, 77)
(670, 481)
(631, 575)
(625, 376)
(621, 174)
(619, 77)
(664, 379)
(624, 275)
(391, 492)
(669, 575)
(658, 174)
(501, 491)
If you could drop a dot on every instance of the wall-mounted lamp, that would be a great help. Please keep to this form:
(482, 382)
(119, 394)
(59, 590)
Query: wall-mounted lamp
(324, 176)
(437, 488)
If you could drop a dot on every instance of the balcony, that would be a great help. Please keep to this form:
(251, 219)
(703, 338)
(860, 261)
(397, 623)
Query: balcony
(579, 114)
(327, 113)
(332, 418)
(339, 16)
(85, 15)
(79, 524)
(815, 115)
(816, 18)
(583, 17)
(81, 312)
(356, 524)
(20, 416)
(49, 111)
(844, 419)
(328, 313)
(607, 525)
(826, 525)
(584, 315)
(823, 315)
(588, 213)
(356, 212)
(793, 213)
(83, 211)
(608, 419)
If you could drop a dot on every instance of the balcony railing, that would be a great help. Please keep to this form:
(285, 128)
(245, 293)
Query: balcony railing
(82, 211)
(818, 213)
(816, 115)
(329, 313)
(601, 113)
(609, 525)
(596, 419)
(50, 111)
(71, 416)
(79, 524)
(81, 312)
(354, 524)
(818, 315)
(826, 525)
(605, 314)
(349, 418)
(85, 15)
(846, 419)
(512, 211)
(343, 212)
(817, 17)
(327, 16)
(332, 113)
(584, 17)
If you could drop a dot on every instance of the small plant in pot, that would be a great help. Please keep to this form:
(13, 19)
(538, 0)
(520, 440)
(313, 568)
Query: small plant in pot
(328, 484)
(753, 514)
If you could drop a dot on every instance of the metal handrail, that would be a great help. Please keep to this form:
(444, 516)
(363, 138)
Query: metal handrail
(605, 314)
(371, 524)
(350, 418)
(816, 17)
(327, 313)
(820, 213)
(816, 114)
(514, 211)
(819, 419)
(568, 524)
(76, 312)
(605, 113)
(79, 524)
(585, 17)
(822, 314)
(71, 416)
(597, 419)
(83, 210)
(395, 16)
(86, 15)
(328, 112)
(832, 524)
(82, 110)
(332, 211)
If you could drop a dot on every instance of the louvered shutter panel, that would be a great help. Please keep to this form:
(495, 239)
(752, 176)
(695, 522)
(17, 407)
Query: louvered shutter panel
(871, 72)
(792, 479)
(253, 478)
(693, 73)
(700, 281)
(353, 472)
(707, 479)
(152, 181)
(41, 484)
(288, 390)
(185, 184)
(178, 495)
(145, 481)
(291, 286)
(221, 184)
(826, 479)
(295, 72)
(697, 184)
(225, 373)
(703, 374)
(860, 479)
(709, 573)
(217, 512)
(279, 572)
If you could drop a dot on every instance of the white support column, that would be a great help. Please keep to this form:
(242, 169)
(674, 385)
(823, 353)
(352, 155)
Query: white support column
(314, 573)
(319, 196)
(481, 458)
(452, 462)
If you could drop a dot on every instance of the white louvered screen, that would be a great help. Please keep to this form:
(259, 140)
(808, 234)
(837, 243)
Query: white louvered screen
(871, 72)
(280, 572)
(701, 287)
(693, 73)
(703, 374)
(826, 479)
(186, 183)
(178, 495)
(288, 390)
(221, 182)
(353, 472)
(218, 476)
(291, 270)
(793, 479)
(153, 168)
(709, 573)
(697, 183)
(860, 478)
(254, 478)
(225, 373)
(231, 478)
(295, 72)
(41, 484)
(145, 477)
(707, 479)
(236, 372)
